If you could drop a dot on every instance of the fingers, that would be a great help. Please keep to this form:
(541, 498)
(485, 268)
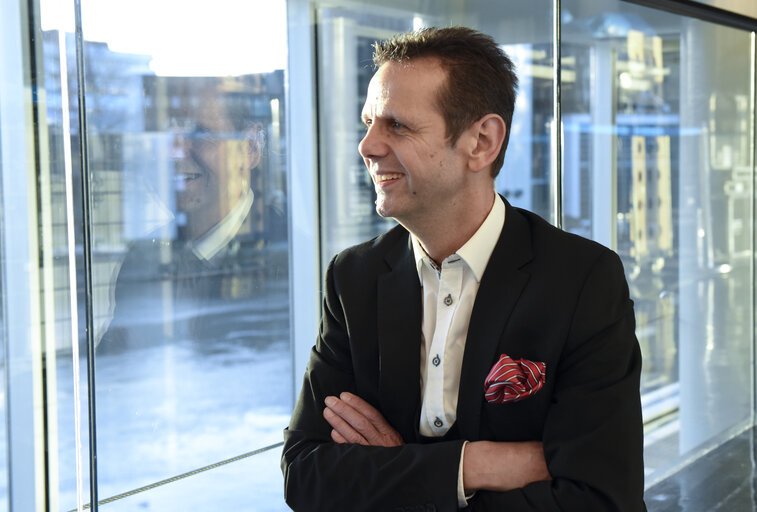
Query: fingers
(343, 431)
(356, 421)
(338, 438)
(375, 418)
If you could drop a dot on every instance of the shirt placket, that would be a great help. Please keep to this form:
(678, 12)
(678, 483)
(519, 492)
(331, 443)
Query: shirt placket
(448, 298)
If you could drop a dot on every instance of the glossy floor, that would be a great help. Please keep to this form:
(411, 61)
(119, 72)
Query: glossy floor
(721, 481)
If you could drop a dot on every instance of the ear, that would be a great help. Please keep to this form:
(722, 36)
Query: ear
(489, 133)
(255, 139)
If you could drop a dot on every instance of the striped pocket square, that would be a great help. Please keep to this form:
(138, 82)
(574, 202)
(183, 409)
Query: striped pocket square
(511, 380)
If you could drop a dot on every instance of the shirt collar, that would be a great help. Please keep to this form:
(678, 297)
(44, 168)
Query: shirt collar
(478, 249)
(209, 244)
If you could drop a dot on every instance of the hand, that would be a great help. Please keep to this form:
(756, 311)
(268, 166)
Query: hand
(356, 421)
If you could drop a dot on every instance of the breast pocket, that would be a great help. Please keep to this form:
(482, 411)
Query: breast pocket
(515, 421)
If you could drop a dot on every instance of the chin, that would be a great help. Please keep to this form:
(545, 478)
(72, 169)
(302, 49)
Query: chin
(391, 209)
(383, 211)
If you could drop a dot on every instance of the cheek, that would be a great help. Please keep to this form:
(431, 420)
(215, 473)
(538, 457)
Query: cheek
(434, 157)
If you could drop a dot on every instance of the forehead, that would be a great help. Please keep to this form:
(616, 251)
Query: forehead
(405, 85)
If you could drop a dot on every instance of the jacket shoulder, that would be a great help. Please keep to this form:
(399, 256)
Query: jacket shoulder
(553, 242)
(372, 253)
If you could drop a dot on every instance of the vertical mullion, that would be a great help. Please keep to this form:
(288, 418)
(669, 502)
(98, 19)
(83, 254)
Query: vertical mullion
(557, 208)
(302, 185)
(87, 257)
(753, 155)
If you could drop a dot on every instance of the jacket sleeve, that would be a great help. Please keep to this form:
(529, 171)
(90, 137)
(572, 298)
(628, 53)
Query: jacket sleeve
(321, 475)
(593, 434)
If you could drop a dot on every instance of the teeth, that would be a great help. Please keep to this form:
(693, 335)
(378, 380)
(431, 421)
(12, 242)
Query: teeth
(386, 177)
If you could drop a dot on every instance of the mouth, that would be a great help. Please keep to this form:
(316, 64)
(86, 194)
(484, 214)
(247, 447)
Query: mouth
(188, 176)
(182, 178)
(386, 178)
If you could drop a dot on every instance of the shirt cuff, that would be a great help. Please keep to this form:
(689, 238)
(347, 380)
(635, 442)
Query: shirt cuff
(462, 498)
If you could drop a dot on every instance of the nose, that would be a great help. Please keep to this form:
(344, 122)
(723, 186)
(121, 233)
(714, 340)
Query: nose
(373, 144)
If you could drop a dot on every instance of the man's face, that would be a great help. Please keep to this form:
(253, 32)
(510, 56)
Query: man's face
(417, 174)
(211, 162)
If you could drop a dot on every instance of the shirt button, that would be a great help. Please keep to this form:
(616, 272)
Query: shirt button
(448, 300)
(436, 360)
(438, 423)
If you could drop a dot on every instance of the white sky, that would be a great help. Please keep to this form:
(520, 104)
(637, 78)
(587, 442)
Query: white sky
(184, 37)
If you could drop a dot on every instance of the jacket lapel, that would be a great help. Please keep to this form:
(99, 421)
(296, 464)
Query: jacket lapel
(499, 290)
(399, 339)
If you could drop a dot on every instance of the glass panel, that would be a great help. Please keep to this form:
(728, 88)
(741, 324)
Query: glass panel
(345, 34)
(189, 239)
(249, 484)
(657, 166)
(9, 94)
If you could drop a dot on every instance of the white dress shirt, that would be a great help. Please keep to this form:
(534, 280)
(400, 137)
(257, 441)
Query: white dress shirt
(448, 296)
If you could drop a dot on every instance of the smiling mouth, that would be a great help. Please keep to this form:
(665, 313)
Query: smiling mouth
(183, 178)
(382, 178)
(188, 176)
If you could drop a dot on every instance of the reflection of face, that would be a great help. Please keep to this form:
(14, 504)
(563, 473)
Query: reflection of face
(415, 171)
(211, 165)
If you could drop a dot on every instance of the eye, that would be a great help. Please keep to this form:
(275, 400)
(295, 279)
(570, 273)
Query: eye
(397, 125)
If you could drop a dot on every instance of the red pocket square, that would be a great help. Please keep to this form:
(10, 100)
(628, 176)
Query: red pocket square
(511, 380)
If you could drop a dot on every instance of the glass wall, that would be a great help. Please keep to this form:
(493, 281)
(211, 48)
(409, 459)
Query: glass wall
(170, 194)
(189, 242)
(658, 166)
(163, 253)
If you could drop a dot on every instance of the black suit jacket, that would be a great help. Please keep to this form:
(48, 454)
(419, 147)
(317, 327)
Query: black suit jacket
(546, 295)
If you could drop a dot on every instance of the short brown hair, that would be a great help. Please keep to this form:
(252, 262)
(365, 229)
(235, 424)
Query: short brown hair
(480, 76)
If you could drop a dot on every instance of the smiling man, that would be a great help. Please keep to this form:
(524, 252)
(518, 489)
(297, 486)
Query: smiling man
(474, 356)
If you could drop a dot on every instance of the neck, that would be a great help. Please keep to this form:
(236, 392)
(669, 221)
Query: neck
(444, 235)
(202, 221)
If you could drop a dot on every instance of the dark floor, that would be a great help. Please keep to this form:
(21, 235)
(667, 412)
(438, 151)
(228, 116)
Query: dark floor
(724, 480)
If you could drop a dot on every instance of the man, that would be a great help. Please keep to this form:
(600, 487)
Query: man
(473, 356)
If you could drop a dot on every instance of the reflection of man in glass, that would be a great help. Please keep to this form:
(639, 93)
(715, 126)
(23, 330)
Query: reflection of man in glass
(212, 165)
(192, 278)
